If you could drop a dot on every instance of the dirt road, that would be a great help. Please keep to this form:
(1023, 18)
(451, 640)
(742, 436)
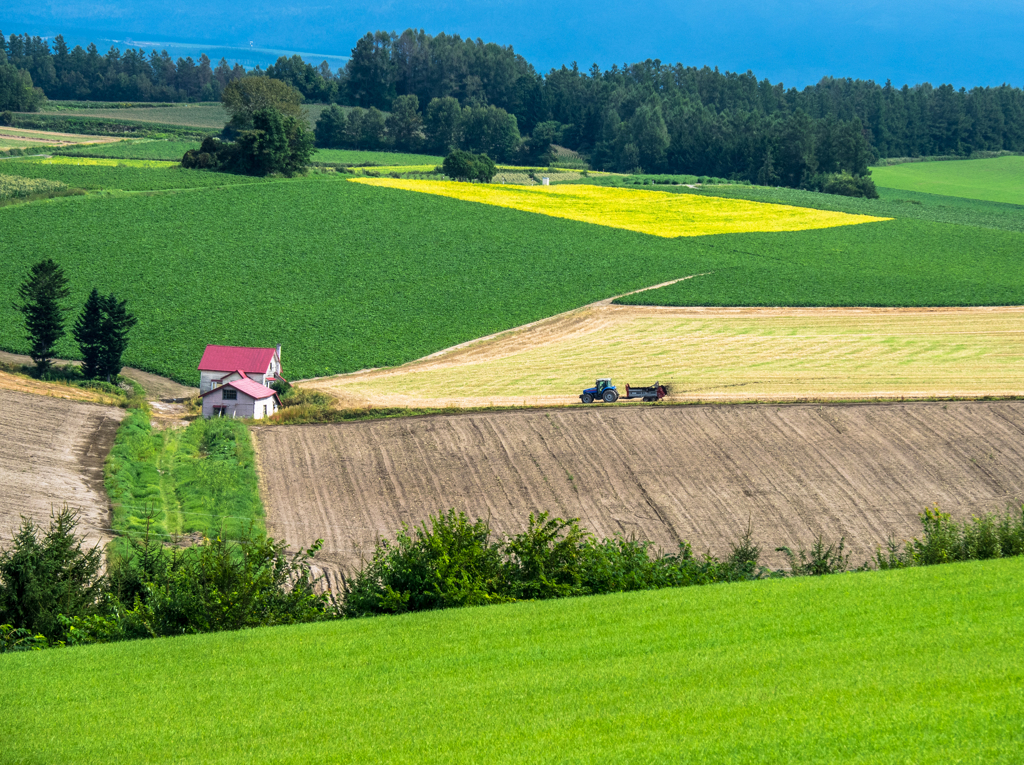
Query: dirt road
(51, 453)
(662, 473)
(158, 388)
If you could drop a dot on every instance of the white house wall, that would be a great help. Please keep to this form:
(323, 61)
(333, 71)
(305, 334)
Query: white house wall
(243, 406)
(269, 403)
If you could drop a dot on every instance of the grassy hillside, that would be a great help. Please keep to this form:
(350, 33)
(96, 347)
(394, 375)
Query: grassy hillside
(919, 665)
(347, 276)
(1000, 179)
(714, 356)
(900, 263)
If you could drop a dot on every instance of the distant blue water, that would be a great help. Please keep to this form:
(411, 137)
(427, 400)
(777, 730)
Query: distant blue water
(248, 57)
(796, 42)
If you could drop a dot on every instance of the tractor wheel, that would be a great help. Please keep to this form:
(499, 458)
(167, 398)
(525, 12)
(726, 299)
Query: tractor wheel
(610, 396)
(586, 398)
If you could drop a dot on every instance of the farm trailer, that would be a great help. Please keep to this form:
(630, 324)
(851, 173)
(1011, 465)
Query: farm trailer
(603, 390)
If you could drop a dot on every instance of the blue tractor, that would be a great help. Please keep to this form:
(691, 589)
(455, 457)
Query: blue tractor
(603, 390)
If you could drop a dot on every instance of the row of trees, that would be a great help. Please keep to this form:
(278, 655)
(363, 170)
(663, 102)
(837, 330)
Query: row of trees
(445, 126)
(134, 75)
(444, 92)
(101, 329)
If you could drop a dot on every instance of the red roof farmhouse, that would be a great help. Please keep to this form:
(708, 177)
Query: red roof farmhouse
(221, 363)
(233, 381)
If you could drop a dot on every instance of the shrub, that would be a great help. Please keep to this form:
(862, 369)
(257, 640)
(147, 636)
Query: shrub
(43, 576)
(821, 559)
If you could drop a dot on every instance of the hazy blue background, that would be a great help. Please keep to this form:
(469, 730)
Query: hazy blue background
(966, 44)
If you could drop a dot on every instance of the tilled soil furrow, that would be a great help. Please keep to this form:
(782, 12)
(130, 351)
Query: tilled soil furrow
(51, 454)
(863, 472)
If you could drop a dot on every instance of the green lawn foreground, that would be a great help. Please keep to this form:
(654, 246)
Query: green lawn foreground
(920, 665)
(1000, 179)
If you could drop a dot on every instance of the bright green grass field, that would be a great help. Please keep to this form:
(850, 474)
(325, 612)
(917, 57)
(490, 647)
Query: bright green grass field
(174, 150)
(124, 177)
(168, 150)
(912, 666)
(347, 276)
(1000, 179)
(376, 158)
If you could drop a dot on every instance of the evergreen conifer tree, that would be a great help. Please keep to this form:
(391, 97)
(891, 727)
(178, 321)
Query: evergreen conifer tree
(117, 321)
(41, 294)
(88, 333)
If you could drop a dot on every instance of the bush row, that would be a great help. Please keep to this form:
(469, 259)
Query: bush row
(53, 591)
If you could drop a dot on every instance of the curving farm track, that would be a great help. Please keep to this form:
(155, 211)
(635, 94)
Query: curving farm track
(666, 474)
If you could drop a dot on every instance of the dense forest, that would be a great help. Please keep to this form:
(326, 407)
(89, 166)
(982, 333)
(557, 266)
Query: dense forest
(649, 115)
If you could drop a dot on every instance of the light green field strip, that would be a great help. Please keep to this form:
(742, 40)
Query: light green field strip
(656, 213)
(997, 180)
(717, 355)
(920, 665)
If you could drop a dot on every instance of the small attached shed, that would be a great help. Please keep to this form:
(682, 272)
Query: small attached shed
(240, 397)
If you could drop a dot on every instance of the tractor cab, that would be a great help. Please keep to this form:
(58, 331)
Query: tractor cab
(603, 390)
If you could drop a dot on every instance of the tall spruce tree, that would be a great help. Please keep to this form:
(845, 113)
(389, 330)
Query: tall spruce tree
(117, 321)
(41, 294)
(88, 333)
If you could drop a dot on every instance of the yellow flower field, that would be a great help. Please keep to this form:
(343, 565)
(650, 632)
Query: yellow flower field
(658, 213)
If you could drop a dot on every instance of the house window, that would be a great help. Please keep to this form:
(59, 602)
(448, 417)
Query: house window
(229, 394)
(264, 410)
(219, 411)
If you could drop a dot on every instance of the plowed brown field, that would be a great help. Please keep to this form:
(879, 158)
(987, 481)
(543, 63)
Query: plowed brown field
(52, 452)
(662, 473)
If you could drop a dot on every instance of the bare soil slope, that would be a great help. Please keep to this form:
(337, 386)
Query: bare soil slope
(52, 452)
(666, 474)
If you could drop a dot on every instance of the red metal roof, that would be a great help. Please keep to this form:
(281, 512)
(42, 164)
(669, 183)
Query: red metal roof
(248, 387)
(252, 388)
(228, 358)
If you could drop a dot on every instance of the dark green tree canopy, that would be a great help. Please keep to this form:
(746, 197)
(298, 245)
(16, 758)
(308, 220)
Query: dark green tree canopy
(41, 295)
(330, 128)
(465, 166)
(276, 143)
(117, 322)
(88, 333)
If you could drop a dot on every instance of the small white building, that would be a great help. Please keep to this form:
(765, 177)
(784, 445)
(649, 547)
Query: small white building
(240, 397)
(221, 363)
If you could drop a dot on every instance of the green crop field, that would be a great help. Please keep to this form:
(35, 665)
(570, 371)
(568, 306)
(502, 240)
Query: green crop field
(144, 149)
(201, 115)
(919, 665)
(1000, 179)
(900, 263)
(173, 150)
(377, 158)
(123, 177)
(348, 276)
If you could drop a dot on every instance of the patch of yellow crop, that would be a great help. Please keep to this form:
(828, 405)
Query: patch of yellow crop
(98, 162)
(659, 213)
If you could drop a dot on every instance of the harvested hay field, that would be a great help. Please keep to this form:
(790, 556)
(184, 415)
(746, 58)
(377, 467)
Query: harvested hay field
(52, 452)
(665, 474)
(715, 355)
